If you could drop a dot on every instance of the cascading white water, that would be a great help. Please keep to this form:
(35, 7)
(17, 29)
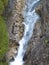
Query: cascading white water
(30, 18)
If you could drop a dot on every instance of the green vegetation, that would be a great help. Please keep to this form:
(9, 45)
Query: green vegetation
(1, 7)
(3, 37)
(1, 63)
(5, 2)
(46, 41)
(3, 32)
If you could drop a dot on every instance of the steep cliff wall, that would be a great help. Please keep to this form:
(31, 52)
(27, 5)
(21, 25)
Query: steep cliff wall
(38, 48)
(14, 19)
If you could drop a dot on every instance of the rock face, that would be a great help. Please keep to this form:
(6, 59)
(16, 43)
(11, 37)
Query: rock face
(14, 19)
(38, 49)
(37, 52)
(13, 15)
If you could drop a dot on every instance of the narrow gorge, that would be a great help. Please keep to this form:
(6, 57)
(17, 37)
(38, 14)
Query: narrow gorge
(30, 18)
(28, 31)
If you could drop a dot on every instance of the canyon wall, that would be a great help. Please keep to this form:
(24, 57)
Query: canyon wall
(38, 48)
(37, 52)
(14, 19)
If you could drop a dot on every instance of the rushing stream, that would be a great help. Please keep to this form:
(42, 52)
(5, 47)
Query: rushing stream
(30, 18)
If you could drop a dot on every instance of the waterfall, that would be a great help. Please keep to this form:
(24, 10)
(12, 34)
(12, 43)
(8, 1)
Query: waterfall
(30, 18)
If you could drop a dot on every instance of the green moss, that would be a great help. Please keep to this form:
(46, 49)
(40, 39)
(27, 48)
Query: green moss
(46, 41)
(1, 7)
(1, 63)
(3, 37)
(5, 2)
(3, 33)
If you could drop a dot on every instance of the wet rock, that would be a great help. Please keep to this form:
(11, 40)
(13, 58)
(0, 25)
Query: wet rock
(38, 10)
(25, 57)
(12, 59)
(39, 43)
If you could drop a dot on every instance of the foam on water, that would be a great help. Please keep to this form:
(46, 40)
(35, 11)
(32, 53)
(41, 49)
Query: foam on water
(30, 18)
